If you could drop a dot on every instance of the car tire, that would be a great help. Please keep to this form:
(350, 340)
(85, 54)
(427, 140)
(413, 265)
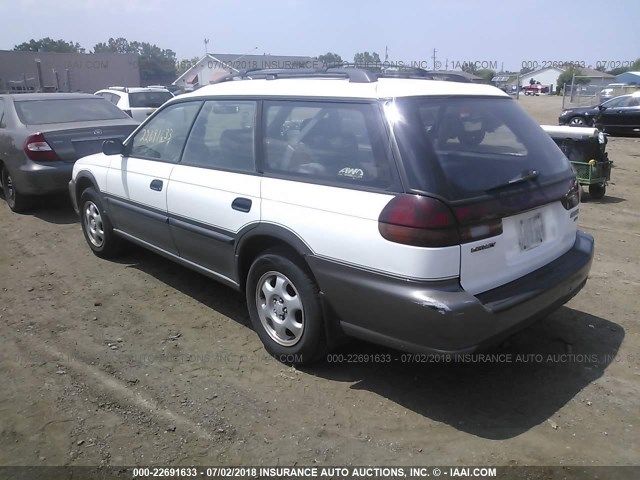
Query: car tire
(96, 226)
(578, 122)
(285, 309)
(597, 191)
(18, 202)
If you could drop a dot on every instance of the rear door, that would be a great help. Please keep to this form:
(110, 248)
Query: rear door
(215, 191)
(137, 182)
(631, 115)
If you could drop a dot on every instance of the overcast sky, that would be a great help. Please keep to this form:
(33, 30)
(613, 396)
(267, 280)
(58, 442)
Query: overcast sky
(489, 31)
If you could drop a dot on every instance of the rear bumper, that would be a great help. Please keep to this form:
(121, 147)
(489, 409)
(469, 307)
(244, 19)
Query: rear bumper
(440, 316)
(33, 178)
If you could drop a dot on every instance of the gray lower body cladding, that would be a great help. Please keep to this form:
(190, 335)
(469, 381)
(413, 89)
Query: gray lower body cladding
(440, 316)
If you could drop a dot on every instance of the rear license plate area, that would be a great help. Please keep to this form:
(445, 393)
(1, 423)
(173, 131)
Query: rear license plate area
(530, 232)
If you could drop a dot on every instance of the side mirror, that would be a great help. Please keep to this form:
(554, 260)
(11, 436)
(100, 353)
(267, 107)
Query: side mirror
(601, 107)
(113, 147)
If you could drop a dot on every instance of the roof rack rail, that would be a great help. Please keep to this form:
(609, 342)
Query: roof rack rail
(383, 71)
(410, 72)
(355, 76)
(353, 72)
(121, 89)
(449, 77)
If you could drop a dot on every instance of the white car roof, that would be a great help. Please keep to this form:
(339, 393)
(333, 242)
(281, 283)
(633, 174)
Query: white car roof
(343, 88)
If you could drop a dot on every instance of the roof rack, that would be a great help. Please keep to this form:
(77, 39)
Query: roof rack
(351, 72)
(355, 76)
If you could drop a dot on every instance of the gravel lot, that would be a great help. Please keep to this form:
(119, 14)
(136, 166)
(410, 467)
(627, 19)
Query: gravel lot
(139, 361)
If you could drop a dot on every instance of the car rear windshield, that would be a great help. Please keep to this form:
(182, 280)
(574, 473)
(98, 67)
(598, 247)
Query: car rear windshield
(148, 99)
(67, 110)
(465, 147)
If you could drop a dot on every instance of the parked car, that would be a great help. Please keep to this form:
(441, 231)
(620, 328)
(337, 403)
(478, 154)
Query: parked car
(535, 89)
(43, 134)
(137, 102)
(422, 215)
(618, 115)
(612, 90)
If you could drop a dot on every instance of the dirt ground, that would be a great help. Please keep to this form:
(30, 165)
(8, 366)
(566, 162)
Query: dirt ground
(140, 361)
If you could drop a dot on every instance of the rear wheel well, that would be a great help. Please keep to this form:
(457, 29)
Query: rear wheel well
(259, 244)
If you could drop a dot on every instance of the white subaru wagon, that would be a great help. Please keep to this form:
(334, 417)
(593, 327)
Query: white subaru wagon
(424, 215)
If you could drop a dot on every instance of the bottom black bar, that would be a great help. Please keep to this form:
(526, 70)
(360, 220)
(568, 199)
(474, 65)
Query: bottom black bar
(322, 473)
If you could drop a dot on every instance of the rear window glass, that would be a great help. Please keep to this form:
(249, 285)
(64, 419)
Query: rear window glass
(462, 147)
(40, 112)
(148, 99)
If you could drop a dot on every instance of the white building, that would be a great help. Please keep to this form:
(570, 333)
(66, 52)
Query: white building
(545, 76)
(216, 65)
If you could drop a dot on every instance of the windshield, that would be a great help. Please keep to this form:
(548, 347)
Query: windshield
(462, 147)
(66, 110)
(148, 99)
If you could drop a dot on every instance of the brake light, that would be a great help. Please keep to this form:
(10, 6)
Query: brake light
(572, 197)
(419, 221)
(37, 149)
(427, 222)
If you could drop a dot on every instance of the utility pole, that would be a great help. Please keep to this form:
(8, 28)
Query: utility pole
(206, 50)
(39, 70)
(573, 84)
(434, 59)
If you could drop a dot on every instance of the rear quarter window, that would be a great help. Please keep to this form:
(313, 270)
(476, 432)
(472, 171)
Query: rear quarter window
(324, 142)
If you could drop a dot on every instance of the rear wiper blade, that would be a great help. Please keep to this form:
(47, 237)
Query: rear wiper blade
(525, 177)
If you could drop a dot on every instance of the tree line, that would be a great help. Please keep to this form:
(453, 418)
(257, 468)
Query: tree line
(161, 63)
(155, 63)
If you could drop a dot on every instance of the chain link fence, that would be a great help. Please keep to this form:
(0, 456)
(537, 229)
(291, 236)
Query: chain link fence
(598, 90)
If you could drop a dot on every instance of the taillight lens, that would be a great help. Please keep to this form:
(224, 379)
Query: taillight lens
(428, 222)
(572, 197)
(420, 221)
(37, 149)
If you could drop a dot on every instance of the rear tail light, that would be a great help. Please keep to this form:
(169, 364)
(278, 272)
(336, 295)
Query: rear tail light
(572, 197)
(37, 149)
(427, 222)
(128, 112)
(420, 221)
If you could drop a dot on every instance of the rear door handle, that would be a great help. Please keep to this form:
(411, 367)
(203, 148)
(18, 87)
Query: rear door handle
(156, 185)
(241, 204)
